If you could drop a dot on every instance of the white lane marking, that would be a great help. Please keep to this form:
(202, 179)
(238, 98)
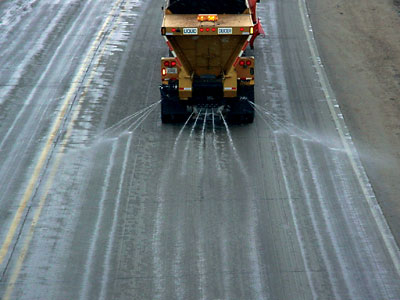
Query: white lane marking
(341, 127)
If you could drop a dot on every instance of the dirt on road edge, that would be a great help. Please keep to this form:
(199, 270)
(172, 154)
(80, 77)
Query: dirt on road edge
(359, 44)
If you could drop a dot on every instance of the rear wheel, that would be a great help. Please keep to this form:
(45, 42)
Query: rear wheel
(242, 111)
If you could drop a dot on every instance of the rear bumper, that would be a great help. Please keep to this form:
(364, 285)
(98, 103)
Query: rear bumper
(204, 95)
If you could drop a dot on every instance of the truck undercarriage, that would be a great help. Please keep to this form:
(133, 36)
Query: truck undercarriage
(207, 100)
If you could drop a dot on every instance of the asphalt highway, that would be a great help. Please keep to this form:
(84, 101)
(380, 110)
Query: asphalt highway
(99, 200)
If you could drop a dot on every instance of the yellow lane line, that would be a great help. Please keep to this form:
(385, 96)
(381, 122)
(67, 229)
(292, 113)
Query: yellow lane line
(21, 258)
(53, 134)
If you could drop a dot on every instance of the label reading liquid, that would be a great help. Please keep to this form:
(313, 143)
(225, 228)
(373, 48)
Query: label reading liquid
(189, 30)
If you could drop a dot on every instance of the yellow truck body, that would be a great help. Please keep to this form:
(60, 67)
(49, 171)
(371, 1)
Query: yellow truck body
(206, 71)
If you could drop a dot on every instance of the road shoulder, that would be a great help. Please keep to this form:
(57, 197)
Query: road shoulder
(359, 43)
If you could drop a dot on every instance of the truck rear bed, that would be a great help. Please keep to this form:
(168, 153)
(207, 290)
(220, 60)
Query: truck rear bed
(206, 68)
(213, 47)
(206, 6)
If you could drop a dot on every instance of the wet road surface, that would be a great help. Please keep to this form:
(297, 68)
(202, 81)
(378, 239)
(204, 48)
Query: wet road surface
(99, 200)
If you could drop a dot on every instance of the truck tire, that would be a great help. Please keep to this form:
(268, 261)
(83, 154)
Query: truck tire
(248, 106)
(242, 110)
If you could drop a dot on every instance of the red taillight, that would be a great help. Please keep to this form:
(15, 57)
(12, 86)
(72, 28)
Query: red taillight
(214, 29)
(241, 63)
(248, 62)
(173, 29)
(241, 29)
(201, 29)
(166, 63)
(163, 72)
(207, 29)
(173, 63)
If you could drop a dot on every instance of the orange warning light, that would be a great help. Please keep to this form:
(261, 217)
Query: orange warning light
(206, 17)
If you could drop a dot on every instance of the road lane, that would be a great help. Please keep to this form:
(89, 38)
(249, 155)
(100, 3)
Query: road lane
(272, 210)
(31, 113)
(31, 105)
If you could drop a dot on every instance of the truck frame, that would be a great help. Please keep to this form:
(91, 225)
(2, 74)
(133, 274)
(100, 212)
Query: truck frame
(206, 70)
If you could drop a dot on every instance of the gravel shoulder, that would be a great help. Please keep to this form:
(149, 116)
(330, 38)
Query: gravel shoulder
(359, 43)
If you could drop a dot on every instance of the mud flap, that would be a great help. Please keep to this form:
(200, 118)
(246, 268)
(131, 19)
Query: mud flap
(172, 110)
(242, 111)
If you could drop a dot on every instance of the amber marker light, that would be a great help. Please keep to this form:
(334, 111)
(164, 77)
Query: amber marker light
(206, 17)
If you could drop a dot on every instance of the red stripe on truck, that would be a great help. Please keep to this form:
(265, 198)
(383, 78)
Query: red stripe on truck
(236, 61)
(170, 46)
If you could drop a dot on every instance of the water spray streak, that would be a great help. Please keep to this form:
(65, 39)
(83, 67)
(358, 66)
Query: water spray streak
(159, 282)
(140, 120)
(278, 121)
(126, 120)
(217, 158)
(201, 261)
(111, 236)
(178, 262)
(236, 154)
(258, 285)
(89, 265)
(186, 151)
(313, 216)
(180, 134)
(202, 143)
(106, 136)
(299, 234)
(273, 121)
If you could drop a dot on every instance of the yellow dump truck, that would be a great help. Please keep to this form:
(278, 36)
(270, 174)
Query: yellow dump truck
(205, 72)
